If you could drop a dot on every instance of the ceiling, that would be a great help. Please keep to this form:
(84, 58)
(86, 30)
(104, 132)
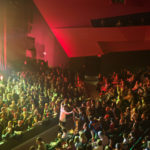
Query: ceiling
(70, 21)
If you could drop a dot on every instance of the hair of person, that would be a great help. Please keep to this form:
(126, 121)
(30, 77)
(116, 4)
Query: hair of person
(39, 139)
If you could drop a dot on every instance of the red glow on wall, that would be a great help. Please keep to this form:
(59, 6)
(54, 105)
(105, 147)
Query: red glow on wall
(74, 31)
(63, 42)
(79, 42)
(47, 47)
(74, 13)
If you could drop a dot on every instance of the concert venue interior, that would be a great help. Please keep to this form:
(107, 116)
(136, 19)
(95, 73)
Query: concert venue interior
(74, 74)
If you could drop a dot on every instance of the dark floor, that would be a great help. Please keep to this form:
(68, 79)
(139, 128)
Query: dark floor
(48, 136)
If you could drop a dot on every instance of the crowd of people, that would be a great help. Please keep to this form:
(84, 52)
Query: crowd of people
(115, 119)
(27, 99)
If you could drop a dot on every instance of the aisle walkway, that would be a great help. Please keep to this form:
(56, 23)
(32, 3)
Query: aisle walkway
(91, 83)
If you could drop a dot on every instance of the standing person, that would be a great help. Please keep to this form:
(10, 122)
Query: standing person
(76, 119)
(63, 113)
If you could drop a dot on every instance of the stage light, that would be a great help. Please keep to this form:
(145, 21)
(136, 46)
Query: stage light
(44, 53)
(98, 55)
(1, 77)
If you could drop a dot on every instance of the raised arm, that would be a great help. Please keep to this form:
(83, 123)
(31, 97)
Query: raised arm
(68, 113)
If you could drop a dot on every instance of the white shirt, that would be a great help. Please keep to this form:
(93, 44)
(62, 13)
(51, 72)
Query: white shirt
(63, 114)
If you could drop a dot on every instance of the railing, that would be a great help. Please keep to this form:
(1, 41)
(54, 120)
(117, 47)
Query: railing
(140, 139)
(17, 140)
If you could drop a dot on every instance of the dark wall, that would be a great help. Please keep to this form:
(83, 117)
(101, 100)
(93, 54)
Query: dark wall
(110, 62)
(116, 61)
(87, 65)
(18, 15)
